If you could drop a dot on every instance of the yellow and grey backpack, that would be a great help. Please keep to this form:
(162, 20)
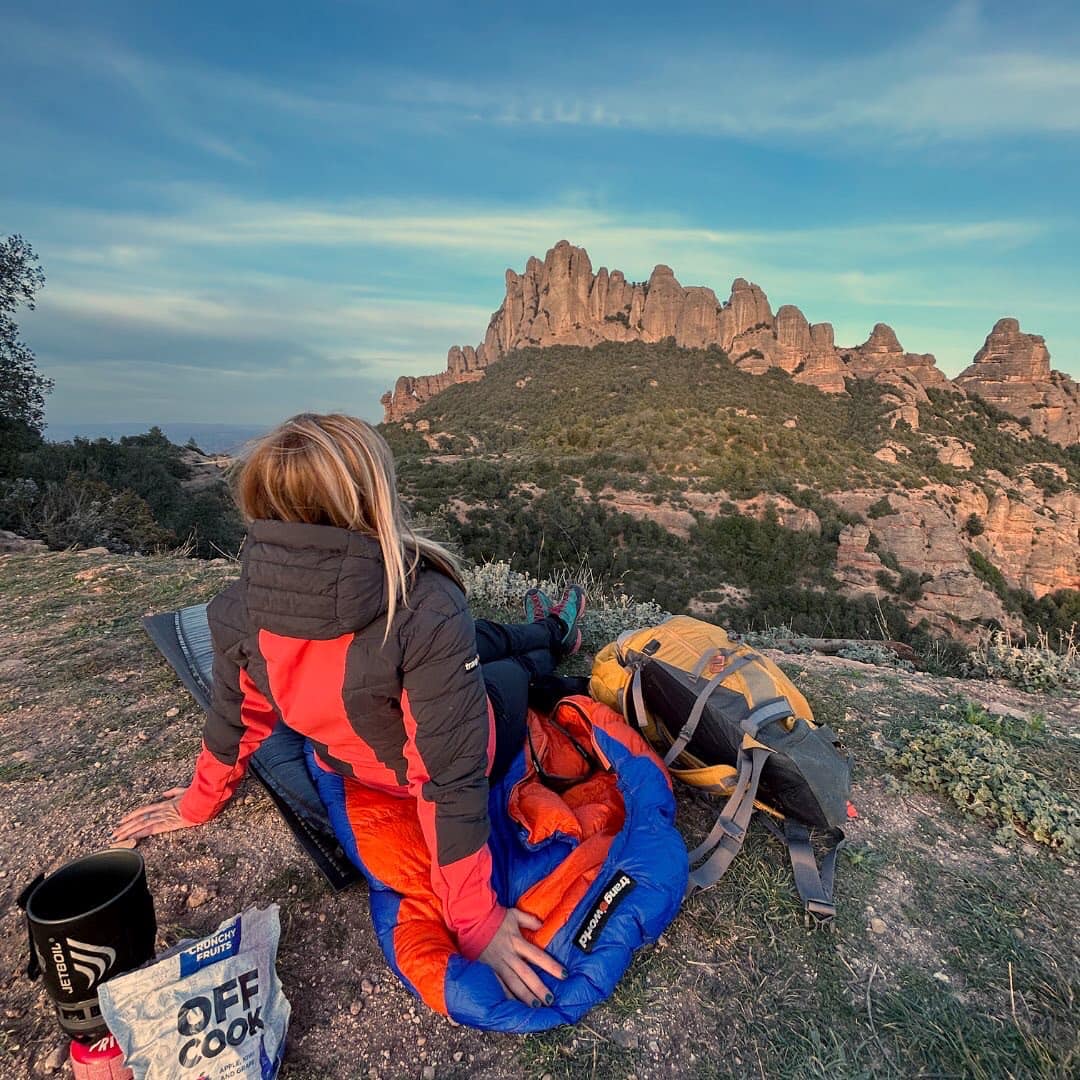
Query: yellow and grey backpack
(727, 720)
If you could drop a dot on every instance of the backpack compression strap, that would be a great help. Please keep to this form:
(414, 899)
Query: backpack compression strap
(759, 716)
(815, 887)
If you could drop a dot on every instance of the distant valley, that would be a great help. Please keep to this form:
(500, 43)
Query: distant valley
(212, 438)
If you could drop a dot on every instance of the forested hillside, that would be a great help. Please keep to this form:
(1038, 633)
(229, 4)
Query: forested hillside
(140, 493)
(743, 496)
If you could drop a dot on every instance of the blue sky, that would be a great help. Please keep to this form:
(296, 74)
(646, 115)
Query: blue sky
(245, 210)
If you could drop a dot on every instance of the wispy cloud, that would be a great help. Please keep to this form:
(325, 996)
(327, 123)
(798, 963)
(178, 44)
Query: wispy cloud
(208, 219)
(956, 80)
(905, 97)
(177, 102)
(331, 324)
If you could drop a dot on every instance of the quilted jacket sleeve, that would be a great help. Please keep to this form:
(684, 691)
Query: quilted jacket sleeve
(240, 717)
(449, 739)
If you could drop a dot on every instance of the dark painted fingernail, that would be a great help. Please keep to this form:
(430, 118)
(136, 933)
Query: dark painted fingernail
(535, 1004)
(548, 999)
(565, 973)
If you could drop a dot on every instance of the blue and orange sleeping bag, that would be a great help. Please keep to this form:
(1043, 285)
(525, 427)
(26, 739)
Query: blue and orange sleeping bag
(582, 836)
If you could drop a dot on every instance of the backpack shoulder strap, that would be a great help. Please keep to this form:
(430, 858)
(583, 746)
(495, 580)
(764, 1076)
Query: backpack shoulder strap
(722, 844)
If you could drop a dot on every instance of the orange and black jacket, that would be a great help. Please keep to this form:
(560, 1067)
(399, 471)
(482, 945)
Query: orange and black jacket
(300, 637)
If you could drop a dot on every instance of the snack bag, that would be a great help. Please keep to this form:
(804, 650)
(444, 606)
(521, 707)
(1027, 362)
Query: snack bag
(209, 1010)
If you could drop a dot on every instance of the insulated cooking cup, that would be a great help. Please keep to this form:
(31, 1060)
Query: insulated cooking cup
(90, 920)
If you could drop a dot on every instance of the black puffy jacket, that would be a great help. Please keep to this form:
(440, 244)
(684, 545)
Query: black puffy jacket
(300, 637)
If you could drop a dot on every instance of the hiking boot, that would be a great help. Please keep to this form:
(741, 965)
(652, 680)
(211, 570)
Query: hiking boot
(573, 646)
(537, 605)
(568, 611)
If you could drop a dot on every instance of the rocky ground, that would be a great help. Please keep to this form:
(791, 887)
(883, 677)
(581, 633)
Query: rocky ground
(952, 954)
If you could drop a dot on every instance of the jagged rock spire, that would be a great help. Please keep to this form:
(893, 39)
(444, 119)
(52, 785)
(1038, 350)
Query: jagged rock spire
(1012, 371)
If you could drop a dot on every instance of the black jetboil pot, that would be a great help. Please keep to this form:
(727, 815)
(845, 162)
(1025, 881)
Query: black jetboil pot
(90, 920)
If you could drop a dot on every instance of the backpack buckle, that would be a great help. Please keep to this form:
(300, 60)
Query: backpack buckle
(732, 829)
(819, 915)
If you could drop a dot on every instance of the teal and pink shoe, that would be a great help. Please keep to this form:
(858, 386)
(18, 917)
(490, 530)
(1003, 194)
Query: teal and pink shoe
(537, 605)
(568, 610)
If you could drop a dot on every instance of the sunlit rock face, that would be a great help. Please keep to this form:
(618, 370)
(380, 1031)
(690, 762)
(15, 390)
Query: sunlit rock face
(1012, 371)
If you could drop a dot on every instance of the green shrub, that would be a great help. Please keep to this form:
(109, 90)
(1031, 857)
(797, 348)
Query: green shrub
(1039, 667)
(1005, 725)
(1055, 614)
(87, 512)
(910, 586)
(882, 508)
(982, 772)
(127, 495)
(974, 526)
(1047, 479)
(873, 652)
(885, 580)
(988, 573)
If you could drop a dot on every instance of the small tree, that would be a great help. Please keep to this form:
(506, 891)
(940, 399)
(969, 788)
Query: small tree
(974, 526)
(22, 389)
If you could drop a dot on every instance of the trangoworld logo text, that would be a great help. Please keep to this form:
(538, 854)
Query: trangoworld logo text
(617, 888)
(473, 664)
(90, 961)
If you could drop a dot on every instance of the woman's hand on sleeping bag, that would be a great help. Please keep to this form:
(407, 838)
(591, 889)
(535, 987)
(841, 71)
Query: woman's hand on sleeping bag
(512, 957)
(157, 817)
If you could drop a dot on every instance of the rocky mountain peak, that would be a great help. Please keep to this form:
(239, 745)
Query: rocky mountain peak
(1009, 354)
(559, 300)
(882, 340)
(1012, 371)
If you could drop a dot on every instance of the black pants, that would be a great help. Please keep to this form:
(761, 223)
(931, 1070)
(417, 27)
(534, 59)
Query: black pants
(512, 656)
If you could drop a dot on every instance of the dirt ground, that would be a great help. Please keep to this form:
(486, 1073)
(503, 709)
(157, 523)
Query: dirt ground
(952, 954)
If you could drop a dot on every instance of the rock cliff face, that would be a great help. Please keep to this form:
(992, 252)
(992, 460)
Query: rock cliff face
(1012, 371)
(907, 375)
(1033, 538)
(560, 301)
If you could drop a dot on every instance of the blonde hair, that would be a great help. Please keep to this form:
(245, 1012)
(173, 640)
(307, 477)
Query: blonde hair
(332, 469)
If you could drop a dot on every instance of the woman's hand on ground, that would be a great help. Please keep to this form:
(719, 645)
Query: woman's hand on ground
(157, 817)
(512, 957)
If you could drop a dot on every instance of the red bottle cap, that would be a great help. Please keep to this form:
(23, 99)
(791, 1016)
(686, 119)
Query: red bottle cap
(101, 1060)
